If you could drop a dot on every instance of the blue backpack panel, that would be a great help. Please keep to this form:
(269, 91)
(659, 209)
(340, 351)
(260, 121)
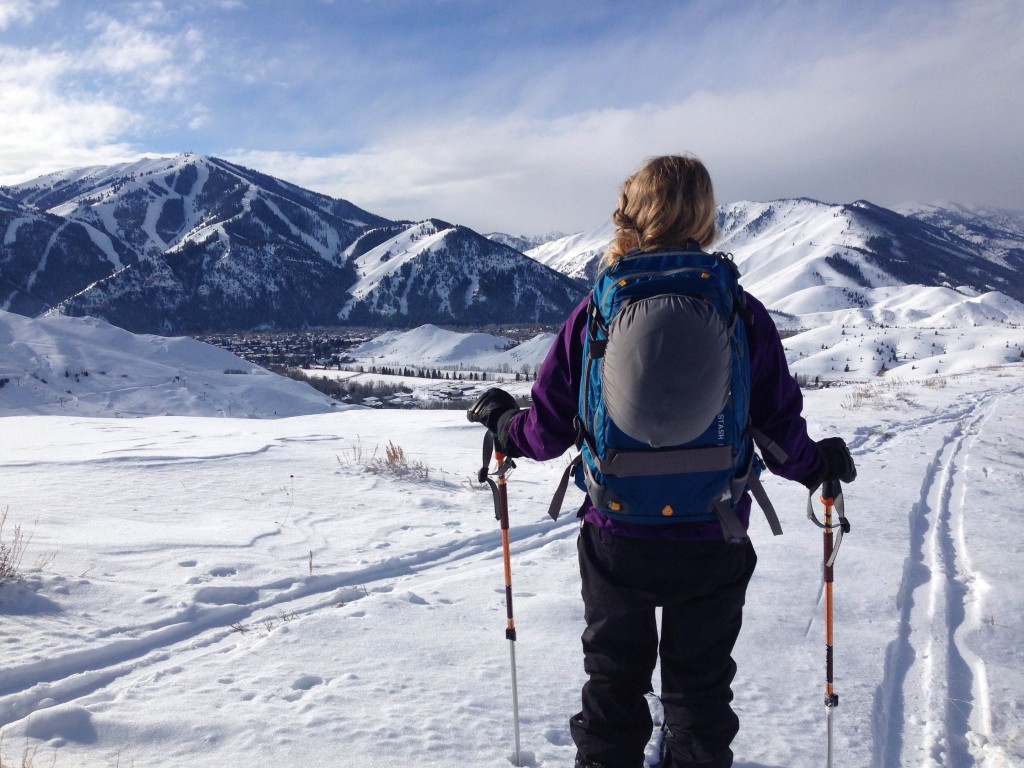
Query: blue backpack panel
(665, 392)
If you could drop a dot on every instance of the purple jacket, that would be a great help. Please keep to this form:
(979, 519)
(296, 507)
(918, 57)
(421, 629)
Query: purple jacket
(546, 431)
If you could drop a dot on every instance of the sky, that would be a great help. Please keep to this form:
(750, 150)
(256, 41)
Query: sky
(525, 117)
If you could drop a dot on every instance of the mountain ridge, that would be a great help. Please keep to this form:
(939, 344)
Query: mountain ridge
(192, 243)
(789, 245)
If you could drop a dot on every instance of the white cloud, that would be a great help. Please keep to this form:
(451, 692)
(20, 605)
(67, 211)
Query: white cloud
(42, 128)
(912, 101)
(160, 62)
(77, 103)
(199, 117)
(934, 115)
(122, 48)
(20, 11)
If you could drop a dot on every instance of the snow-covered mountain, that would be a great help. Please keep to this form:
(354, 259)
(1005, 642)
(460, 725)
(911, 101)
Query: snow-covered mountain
(523, 243)
(999, 232)
(192, 243)
(790, 247)
(188, 243)
(575, 255)
(45, 258)
(433, 271)
(153, 205)
(839, 253)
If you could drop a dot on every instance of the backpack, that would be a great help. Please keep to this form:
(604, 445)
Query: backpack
(662, 421)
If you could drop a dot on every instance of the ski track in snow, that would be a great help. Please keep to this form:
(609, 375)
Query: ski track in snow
(218, 612)
(934, 686)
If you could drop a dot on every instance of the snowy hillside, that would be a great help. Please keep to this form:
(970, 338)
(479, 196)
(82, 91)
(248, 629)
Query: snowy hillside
(575, 255)
(871, 290)
(433, 271)
(788, 246)
(86, 367)
(44, 258)
(1000, 233)
(908, 332)
(231, 590)
(523, 243)
(219, 592)
(429, 345)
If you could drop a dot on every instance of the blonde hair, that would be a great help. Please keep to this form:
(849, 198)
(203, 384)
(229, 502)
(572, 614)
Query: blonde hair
(665, 204)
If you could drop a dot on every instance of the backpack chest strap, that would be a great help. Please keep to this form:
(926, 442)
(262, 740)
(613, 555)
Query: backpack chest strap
(650, 463)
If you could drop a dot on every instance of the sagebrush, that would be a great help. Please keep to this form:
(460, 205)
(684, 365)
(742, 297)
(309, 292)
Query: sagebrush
(12, 549)
(13, 545)
(393, 462)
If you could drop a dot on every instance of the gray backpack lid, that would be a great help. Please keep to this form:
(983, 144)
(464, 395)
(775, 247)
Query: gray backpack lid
(667, 369)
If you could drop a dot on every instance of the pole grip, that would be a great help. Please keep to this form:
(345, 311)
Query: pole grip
(502, 493)
(830, 490)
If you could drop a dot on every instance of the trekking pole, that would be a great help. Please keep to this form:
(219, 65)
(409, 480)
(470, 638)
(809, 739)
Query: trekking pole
(832, 498)
(500, 491)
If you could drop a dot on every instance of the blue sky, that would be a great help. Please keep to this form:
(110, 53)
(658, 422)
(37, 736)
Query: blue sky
(525, 116)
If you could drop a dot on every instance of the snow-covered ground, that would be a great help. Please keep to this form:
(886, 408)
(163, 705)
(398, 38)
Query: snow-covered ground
(429, 345)
(86, 367)
(235, 591)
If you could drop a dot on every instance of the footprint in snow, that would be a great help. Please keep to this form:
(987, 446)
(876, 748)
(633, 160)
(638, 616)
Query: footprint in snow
(62, 724)
(305, 682)
(226, 595)
(558, 736)
(302, 684)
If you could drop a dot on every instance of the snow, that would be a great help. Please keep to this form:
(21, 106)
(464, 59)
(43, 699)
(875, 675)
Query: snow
(11, 234)
(216, 589)
(41, 266)
(153, 212)
(571, 254)
(326, 249)
(429, 345)
(102, 241)
(389, 257)
(87, 367)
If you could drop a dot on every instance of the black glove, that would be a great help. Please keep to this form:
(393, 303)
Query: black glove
(836, 463)
(490, 407)
(495, 409)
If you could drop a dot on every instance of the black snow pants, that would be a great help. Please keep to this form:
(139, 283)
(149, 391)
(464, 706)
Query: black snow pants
(700, 587)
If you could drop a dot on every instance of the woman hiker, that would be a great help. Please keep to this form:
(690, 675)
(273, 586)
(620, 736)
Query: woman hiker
(687, 569)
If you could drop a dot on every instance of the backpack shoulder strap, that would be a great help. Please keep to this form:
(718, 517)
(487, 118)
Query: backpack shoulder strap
(767, 445)
(556, 502)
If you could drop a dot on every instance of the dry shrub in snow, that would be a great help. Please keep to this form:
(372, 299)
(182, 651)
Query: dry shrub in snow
(394, 462)
(12, 549)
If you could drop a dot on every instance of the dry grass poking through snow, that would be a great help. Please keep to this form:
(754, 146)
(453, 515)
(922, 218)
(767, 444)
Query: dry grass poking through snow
(888, 393)
(12, 550)
(27, 757)
(394, 461)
